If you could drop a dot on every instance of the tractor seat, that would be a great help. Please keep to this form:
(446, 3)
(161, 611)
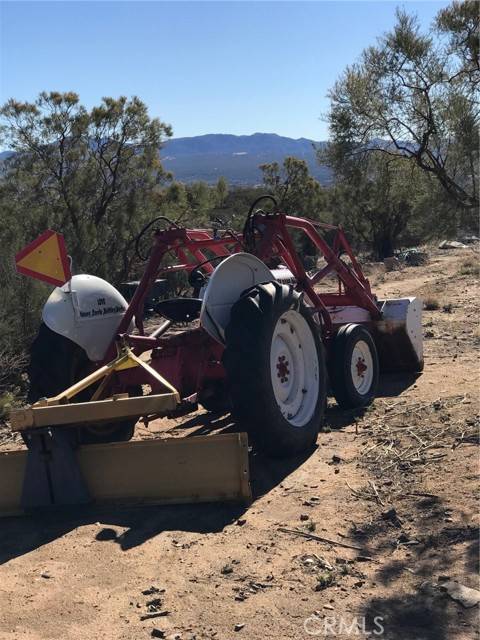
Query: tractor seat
(179, 309)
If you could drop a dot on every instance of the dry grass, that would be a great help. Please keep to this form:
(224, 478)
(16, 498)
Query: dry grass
(11, 367)
(408, 435)
(6, 401)
(11, 370)
(470, 267)
(430, 303)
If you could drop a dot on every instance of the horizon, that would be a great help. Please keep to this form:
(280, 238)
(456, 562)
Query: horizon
(232, 68)
(242, 135)
(223, 133)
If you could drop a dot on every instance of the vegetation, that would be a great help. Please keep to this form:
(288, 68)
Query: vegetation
(431, 303)
(409, 109)
(297, 192)
(89, 173)
(470, 267)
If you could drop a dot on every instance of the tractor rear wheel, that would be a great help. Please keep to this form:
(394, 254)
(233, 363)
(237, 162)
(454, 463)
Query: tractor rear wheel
(354, 367)
(275, 369)
(55, 364)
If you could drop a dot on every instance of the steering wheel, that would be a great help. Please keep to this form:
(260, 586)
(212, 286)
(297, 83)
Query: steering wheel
(248, 231)
(144, 258)
(196, 278)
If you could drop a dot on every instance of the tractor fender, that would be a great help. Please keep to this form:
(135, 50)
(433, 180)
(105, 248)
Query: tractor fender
(86, 310)
(231, 278)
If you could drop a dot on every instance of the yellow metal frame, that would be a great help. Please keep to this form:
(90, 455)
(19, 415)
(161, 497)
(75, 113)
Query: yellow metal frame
(165, 471)
(57, 411)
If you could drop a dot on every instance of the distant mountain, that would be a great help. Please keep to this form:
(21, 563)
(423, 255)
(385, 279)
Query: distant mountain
(236, 157)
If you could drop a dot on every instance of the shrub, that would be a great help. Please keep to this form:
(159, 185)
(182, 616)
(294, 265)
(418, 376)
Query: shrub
(324, 581)
(470, 267)
(431, 304)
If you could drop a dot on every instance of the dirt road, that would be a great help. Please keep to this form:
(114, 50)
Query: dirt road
(398, 483)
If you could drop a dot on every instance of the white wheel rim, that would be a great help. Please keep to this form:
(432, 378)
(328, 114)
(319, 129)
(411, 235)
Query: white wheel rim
(294, 368)
(361, 367)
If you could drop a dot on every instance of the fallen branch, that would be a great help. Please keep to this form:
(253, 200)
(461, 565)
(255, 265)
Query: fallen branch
(311, 536)
(159, 614)
(356, 493)
(372, 484)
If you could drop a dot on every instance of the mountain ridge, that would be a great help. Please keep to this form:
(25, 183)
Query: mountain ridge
(235, 157)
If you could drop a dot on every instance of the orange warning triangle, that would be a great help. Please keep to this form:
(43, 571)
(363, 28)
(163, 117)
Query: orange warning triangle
(45, 259)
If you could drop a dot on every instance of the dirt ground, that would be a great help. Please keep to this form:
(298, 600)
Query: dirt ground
(398, 486)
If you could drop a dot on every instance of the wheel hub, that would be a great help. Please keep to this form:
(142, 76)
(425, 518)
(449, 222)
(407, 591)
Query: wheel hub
(361, 367)
(282, 369)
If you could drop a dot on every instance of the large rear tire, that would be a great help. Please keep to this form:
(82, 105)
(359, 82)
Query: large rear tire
(55, 364)
(275, 369)
(354, 367)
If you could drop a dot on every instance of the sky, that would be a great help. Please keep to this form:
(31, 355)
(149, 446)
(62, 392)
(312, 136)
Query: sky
(203, 67)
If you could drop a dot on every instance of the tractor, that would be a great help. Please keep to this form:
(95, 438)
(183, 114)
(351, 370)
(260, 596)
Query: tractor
(259, 335)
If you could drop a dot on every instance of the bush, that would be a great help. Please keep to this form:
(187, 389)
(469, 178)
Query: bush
(470, 267)
(431, 304)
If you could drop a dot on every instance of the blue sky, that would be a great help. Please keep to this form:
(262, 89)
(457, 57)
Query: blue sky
(203, 67)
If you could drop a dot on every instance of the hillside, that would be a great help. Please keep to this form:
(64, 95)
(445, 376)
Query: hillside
(236, 157)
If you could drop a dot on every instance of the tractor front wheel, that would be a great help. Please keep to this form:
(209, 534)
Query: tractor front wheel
(56, 363)
(354, 367)
(275, 369)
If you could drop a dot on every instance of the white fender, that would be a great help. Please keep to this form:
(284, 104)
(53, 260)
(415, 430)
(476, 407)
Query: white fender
(86, 310)
(233, 275)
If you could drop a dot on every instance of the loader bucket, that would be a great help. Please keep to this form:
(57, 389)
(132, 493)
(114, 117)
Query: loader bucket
(398, 335)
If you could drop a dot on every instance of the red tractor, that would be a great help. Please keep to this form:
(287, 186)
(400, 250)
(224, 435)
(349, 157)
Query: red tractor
(258, 334)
